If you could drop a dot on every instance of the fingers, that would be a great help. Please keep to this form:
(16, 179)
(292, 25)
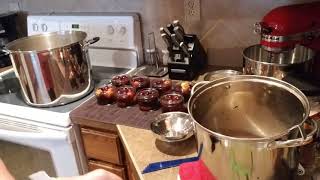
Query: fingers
(4, 173)
(98, 174)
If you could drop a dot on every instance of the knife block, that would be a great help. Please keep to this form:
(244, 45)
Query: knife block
(182, 67)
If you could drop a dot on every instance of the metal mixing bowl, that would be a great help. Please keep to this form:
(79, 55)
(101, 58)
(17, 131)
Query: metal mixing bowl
(172, 126)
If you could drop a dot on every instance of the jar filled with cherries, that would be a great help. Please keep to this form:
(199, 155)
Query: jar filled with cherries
(148, 94)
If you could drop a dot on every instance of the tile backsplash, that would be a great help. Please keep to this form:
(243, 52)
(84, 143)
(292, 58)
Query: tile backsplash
(225, 28)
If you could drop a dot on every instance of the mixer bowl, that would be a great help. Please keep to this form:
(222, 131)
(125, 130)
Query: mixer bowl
(258, 61)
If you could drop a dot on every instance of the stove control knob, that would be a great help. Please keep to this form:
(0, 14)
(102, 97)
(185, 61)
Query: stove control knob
(110, 29)
(44, 27)
(122, 30)
(35, 27)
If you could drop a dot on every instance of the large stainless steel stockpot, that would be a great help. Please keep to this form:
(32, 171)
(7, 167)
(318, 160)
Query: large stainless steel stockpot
(52, 68)
(258, 61)
(250, 127)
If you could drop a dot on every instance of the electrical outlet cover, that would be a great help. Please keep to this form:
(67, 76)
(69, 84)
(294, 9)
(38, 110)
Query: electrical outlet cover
(192, 10)
(14, 6)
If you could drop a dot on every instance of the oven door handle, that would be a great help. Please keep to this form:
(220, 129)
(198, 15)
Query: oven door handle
(13, 133)
(32, 135)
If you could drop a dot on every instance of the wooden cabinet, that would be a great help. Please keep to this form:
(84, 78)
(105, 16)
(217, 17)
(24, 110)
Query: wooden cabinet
(105, 146)
(118, 170)
(132, 174)
(104, 150)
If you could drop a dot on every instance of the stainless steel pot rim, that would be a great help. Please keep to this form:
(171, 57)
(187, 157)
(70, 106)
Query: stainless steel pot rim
(39, 35)
(225, 71)
(256, 78)
(268, 63)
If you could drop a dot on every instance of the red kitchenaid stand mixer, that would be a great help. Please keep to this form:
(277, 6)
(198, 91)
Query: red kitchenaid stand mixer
(285, 27)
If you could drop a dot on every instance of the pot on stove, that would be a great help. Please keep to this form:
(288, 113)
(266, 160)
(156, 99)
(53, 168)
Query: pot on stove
(250, 127)
(53, 68)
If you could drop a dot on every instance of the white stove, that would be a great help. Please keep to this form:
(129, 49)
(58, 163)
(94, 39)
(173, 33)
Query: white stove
(44, 138)
(12, 103)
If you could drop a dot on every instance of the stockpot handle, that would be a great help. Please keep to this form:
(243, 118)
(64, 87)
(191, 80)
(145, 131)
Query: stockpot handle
(90, 41)
(5, 50)
(305, 138)
(198, 85)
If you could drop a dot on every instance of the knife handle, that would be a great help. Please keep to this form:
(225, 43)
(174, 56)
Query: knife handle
(176, 23)
(167, 164)
(184, 48)
(166, 39)
(175, 40)
(170, 28)
(180, 35)
(164, 31)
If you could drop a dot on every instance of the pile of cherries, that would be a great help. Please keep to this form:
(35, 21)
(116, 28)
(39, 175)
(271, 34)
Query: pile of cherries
(150, 95)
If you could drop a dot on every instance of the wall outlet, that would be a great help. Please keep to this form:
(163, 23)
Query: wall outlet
(14, 6)
(192, 10)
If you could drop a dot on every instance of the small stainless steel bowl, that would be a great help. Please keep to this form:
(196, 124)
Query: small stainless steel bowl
(173, 126)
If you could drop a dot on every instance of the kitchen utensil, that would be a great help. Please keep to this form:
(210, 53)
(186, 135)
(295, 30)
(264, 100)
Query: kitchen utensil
(52, 68)
(213, 75)
(175, 40)
(152, 50)
(167, 40)
(186, 61)
(164, 31)
(176, 23)
(179, 33)
(295, 66)
(184, 48)
(169, 164)
(172, 126)
(153, 59)
(170, 28)
(258, 61)
(249, 126)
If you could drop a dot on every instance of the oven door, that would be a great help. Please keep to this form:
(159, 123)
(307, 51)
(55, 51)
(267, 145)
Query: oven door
(26, 149)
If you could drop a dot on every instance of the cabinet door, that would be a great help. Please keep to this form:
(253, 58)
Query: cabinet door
(118, 170)
(131, 171)
(102, 146)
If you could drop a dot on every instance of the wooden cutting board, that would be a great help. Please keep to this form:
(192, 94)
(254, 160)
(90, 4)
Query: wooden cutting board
(112, 114)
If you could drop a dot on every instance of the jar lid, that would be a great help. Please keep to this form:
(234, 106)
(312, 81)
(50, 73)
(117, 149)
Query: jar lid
(161, 83)
(125, 91)
(140, 81)
(147, 94)
(171, 99)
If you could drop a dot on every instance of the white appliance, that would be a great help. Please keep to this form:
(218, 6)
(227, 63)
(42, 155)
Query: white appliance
(34, 139)
(120, 43)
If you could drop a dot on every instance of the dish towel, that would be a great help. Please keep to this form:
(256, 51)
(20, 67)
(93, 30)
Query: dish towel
(196, 170)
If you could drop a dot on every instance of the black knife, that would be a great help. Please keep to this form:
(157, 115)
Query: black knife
(170, 28)
(175, 40)
(180, 34)
(164, 31)
(176, 23)
(167, 40)
(184, 48)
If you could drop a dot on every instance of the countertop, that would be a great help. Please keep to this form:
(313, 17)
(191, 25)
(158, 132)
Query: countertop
(141, 145)
(143, 149)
